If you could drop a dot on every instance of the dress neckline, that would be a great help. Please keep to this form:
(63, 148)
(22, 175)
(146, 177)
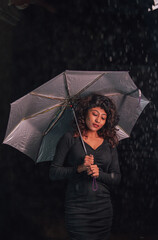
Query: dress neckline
(94, 149)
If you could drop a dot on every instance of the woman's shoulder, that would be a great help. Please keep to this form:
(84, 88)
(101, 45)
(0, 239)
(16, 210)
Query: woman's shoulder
(68, 135)
(105, 142)
(109, 145)
(68, 138)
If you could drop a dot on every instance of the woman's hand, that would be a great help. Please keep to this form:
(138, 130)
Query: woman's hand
(93, 170)
(88, 161)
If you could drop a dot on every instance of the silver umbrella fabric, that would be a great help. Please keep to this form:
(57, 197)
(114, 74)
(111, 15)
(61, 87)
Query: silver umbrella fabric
(39, 119)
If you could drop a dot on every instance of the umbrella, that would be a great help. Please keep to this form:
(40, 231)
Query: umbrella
(39, 119)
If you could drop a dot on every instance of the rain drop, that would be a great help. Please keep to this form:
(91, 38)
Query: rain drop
(110, 58)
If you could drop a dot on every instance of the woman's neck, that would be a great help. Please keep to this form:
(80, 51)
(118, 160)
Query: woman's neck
(92, 134)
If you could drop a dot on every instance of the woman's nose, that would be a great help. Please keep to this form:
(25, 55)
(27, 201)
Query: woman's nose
(97, 119)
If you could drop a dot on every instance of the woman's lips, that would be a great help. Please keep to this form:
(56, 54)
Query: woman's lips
(95, 125)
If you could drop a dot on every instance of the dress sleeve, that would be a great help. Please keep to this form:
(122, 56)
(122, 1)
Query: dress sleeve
(112, 176)
(57, 169)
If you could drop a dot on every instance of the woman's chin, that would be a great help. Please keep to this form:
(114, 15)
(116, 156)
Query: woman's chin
(93, 129)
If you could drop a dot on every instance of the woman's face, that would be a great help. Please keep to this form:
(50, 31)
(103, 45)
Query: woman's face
(96, 118)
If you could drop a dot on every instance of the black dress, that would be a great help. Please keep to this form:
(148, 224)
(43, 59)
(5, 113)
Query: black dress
(88, 213)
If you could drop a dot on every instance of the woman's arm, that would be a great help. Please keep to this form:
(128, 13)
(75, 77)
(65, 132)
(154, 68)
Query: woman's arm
(113, 176)
(57, 169)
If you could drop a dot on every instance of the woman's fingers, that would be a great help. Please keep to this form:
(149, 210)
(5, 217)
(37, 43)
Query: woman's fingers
(94, 170)
(89, 159)
(89, 171)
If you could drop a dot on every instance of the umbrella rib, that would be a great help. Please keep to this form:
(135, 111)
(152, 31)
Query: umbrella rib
(49, 130)
(125, 93)
(6, 137)
(42, 112)
(52, 125)
(45, 96)
(122, 129)
(120, 93)
(109, 94)
(96, 79)
(67, 87)
(31, 116)
(84, 147)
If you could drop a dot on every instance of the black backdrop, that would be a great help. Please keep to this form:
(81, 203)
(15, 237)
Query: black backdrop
(81, 35)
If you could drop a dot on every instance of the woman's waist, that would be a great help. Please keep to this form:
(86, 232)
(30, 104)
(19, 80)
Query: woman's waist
(86, 187)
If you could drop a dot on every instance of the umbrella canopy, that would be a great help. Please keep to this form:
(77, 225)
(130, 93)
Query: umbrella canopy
(40, 118)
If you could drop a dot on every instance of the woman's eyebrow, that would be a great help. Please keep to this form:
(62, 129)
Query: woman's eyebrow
(98, 112)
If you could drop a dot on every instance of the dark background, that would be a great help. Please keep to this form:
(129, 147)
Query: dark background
(35, 46)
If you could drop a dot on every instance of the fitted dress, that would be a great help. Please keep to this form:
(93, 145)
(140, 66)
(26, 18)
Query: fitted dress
(88, 213)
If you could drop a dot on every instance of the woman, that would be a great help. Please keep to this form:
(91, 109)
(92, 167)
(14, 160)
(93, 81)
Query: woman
(88, 213)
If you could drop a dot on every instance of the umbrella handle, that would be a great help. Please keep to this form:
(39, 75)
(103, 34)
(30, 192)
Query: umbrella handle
(94, 184)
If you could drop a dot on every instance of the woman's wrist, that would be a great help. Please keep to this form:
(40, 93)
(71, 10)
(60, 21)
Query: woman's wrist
(81, 168)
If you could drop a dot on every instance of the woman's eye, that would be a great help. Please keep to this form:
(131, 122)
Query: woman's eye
(94, 114)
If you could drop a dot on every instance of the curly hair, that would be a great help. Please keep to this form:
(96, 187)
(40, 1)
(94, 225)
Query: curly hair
(108, 131)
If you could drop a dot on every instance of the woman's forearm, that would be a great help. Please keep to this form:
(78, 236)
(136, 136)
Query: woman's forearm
(81, 168)
(109, 178)
(59, 173)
